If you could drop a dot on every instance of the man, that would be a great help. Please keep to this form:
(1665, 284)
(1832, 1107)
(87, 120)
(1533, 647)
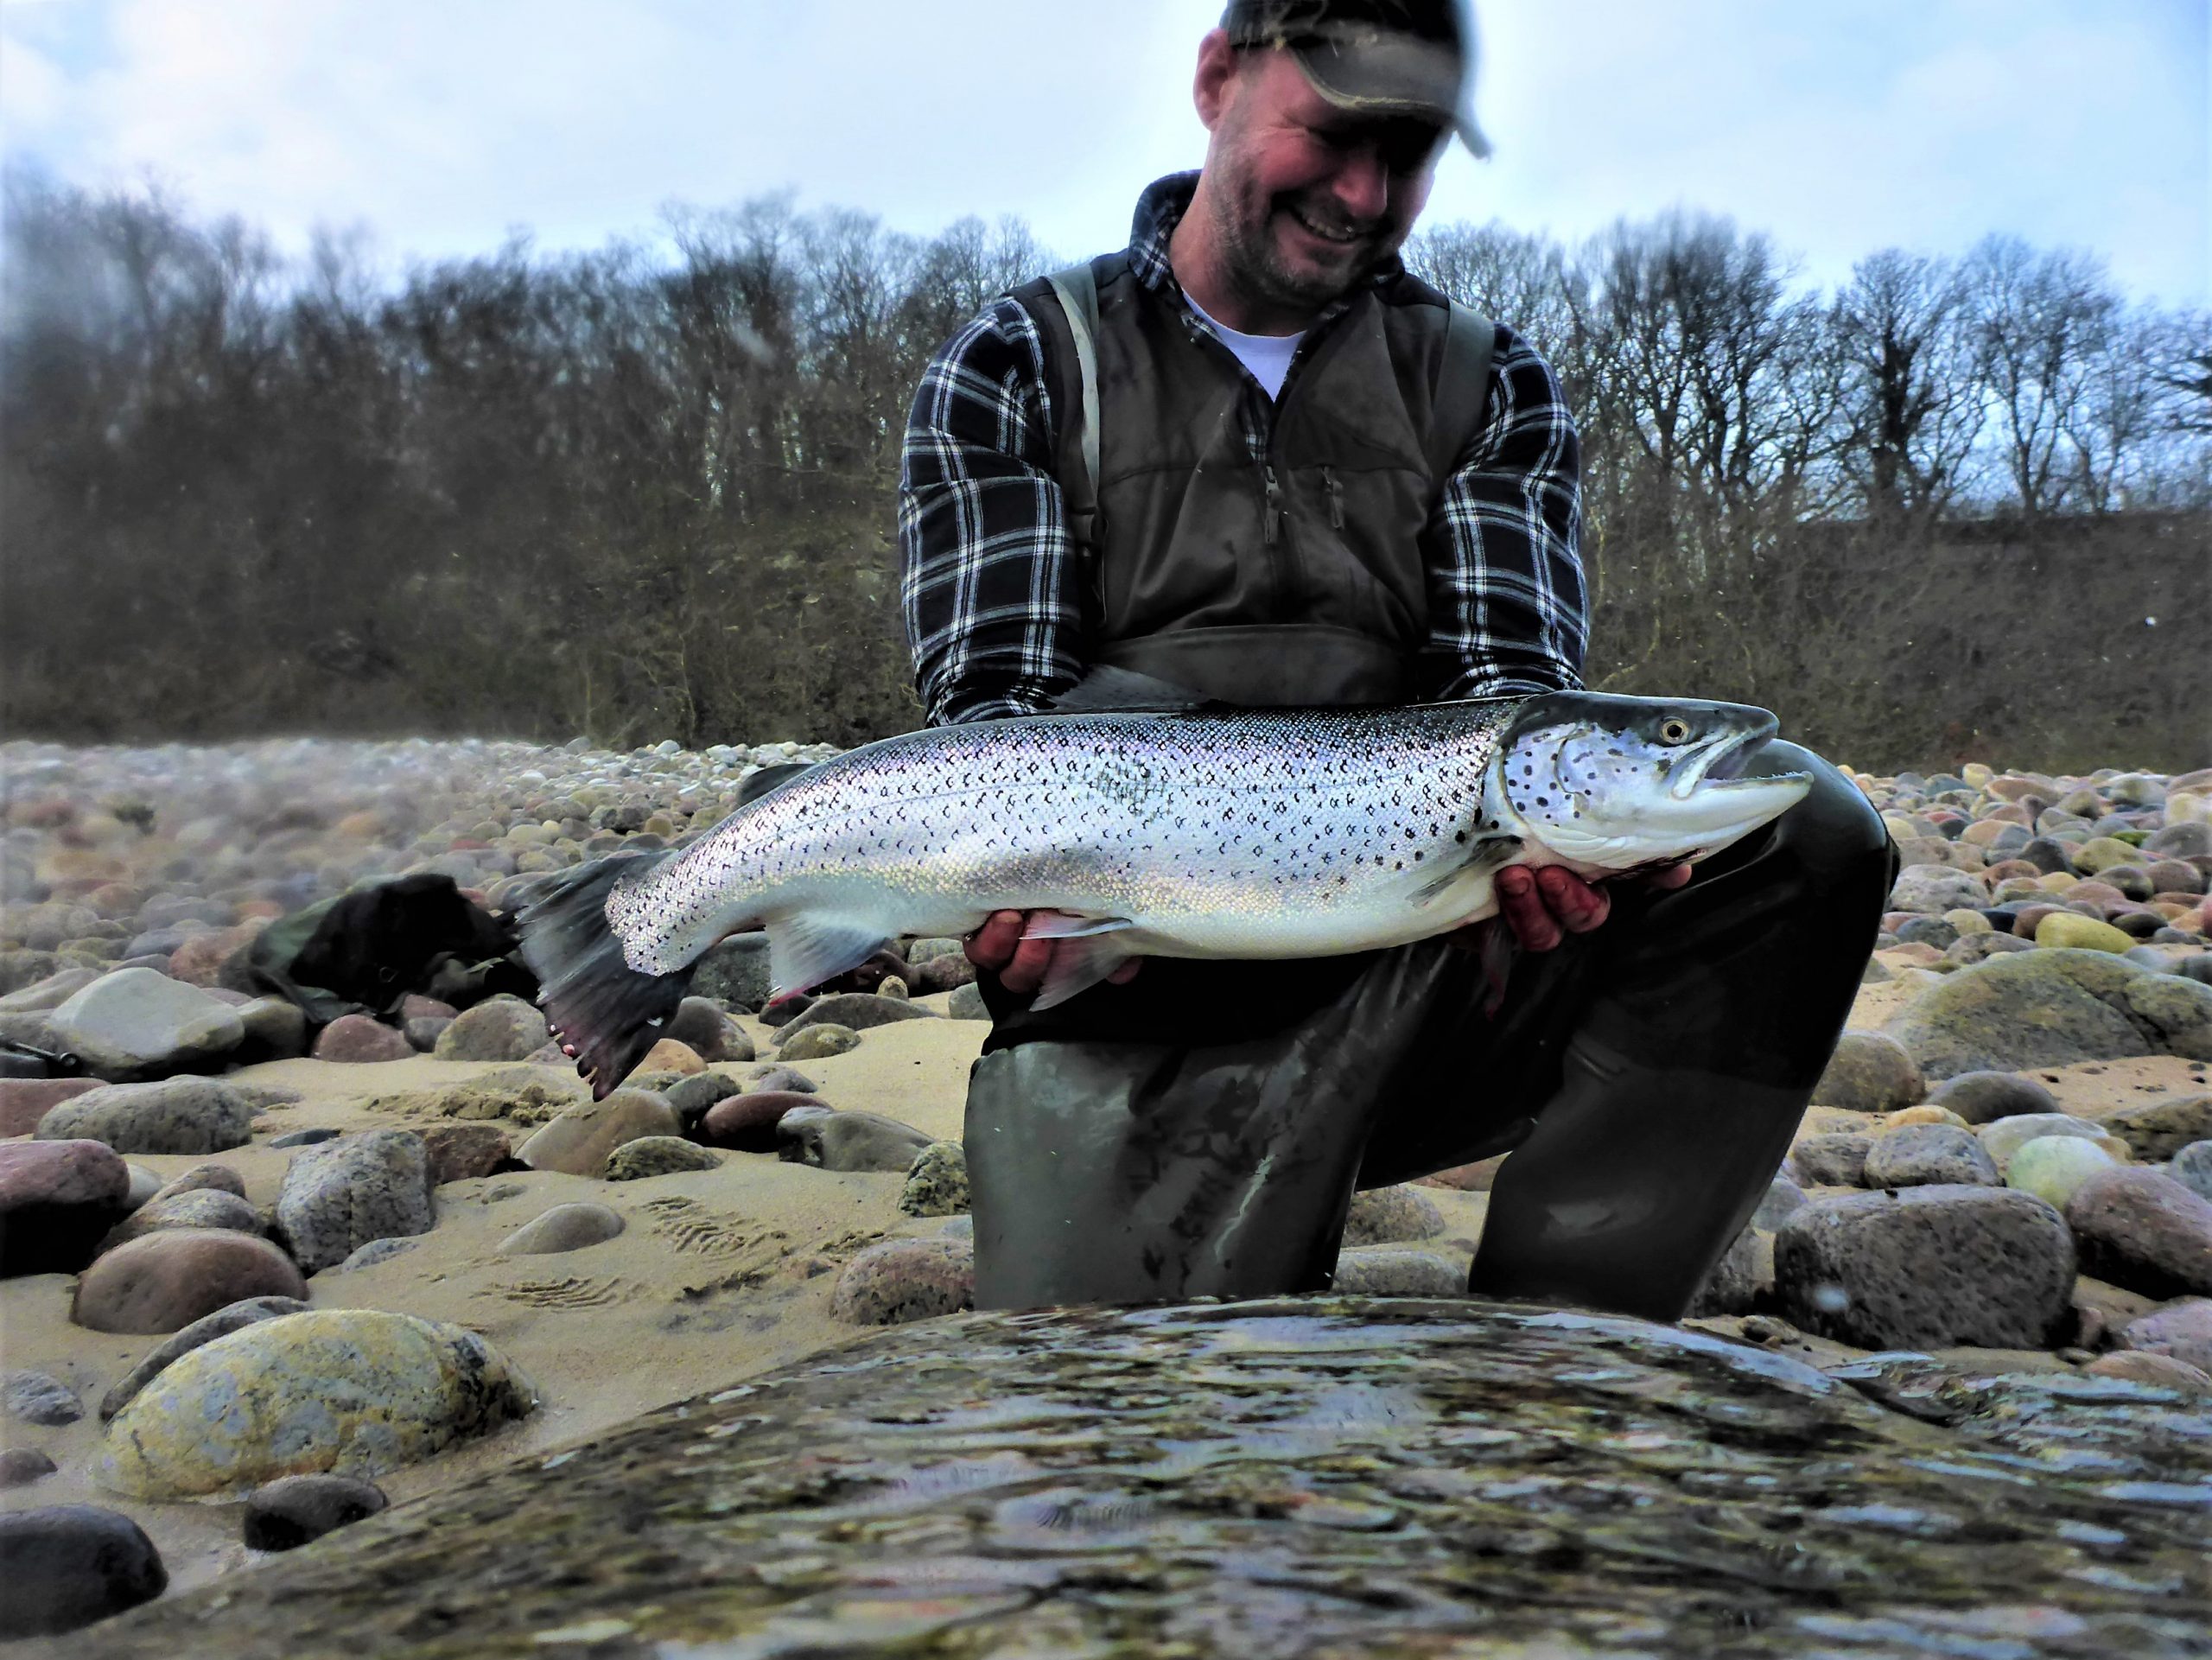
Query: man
(1251, 460)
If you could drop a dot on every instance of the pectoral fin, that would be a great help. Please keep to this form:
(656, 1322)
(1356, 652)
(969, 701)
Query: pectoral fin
(805, 951)
(1086, 952)
(1484, 853)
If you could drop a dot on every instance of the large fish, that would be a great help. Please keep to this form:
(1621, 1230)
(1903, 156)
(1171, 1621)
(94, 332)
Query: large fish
(1271, 833)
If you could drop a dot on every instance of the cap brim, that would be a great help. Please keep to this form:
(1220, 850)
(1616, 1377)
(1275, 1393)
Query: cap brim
(1392, 75)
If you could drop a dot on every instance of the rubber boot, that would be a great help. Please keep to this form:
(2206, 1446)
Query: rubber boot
(1710, 1022)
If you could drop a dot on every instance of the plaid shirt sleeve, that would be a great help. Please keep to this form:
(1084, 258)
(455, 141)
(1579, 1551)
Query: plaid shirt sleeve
(989, 585)
(1508, 607)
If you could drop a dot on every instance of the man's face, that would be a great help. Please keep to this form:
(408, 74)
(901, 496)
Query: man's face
(1308, 198)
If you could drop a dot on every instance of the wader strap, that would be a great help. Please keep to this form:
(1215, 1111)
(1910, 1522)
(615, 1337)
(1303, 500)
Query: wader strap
(1076, 288)
(1462, 389)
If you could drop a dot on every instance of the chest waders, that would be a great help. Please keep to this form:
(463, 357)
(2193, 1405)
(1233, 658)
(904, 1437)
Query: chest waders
(1200, 1130)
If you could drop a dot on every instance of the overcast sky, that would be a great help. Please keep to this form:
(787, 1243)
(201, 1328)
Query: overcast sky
(1840, 126)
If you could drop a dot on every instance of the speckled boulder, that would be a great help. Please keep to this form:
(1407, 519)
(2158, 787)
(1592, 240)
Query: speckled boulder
(1833, 1160)
(499, 1028)
(2183, 1330)
(461, 1152)
(659, 1155)
(2044, 1008)
(224, 1322)
(352, 1391)
(337, 1196)
(905, 1279)
(1392, 1271)
(1926, 1267)
(1920, 1156)
(2156, 1130)
(2142, 1229)
(177, 1116)
(1869, 1073)
(1387, 1216)
(937, 1183)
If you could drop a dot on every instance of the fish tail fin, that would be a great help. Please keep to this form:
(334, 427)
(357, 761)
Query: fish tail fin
(603, 1012)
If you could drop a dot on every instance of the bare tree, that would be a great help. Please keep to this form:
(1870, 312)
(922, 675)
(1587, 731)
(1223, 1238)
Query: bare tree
(1912, 408)
(2039, 320)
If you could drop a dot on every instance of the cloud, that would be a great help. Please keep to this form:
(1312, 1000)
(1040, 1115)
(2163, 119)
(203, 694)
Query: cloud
(444, 122)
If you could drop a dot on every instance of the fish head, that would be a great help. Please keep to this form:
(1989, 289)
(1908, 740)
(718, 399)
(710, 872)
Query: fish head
(1626, 783)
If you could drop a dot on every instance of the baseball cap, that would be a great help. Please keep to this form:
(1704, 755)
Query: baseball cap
(1411, 57)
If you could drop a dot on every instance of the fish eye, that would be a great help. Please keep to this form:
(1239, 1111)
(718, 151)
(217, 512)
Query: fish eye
(1674, 730)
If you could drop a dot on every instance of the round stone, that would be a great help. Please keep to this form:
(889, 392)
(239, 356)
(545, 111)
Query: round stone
(2053, 1167)
(69, 1565)
(1870, 1072)
(1984, 1098)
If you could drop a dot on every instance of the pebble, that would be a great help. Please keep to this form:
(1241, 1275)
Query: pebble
(165, 1282)
(1870, 1072)
(659, 1155)
(1833, 1160)
(2053, 1167)
(1926, 1267)
(36, 1398)
(69, 1565)
(936, 1184)
(362, 1038)
(2064, 930)
(463, 1152)
(1932, 889)
(244, 1312)
(1388, 1216)
(2141, 1228)
(24, 1101)
(2192, 1167)
(700, 1026)
(58, 1200)
(903, 1279)
(846, 1141)
(578, 1142)
(294, 1510)
(349, 1391)
(2007, 1135)
(1984, 1098)
(1918, 1156)
(134, 1025)
(746, 1123)
(338, 1196)
(499, 1028)
(187, 1115)
(776, 1077)
(819, 1042)
(22, 1466)
(2181, 1330)
(565, 1227)
(1390, 1271)
(966, 1003)
(667, 1059)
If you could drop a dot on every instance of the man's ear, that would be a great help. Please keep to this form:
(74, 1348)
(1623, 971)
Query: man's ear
(1218, 65)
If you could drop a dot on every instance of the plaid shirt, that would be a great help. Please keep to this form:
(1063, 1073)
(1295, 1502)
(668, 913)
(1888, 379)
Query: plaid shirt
(991, 589)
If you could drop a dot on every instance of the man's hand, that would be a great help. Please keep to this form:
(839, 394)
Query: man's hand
(1544, 903)
(1019, 963)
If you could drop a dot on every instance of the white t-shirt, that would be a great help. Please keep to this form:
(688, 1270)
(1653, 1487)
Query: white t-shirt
(1268, 356)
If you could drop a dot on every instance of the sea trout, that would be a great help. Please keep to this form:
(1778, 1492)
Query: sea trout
(1243, 834)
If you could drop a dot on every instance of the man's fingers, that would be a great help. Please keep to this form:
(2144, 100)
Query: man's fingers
(991, 946)
(1126, 973)
(1671, 878)
(1577, 906)
(1025, 972)
(1524, 910)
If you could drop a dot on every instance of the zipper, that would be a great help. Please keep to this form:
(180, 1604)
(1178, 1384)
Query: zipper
(1336, 498)
(1271, 519)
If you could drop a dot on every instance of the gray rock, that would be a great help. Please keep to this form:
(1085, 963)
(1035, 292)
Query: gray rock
(177, 1116)
(1390, 1271)
(1869, 1073)
(778, 1078)
(1926, 1267)
(207, 1329)
(462, 1152)
(22, 1466)
(1388, 1216)
(376, 1251)
(903, 1279)
(306, 1137)
(735, 971)
(966, 1003)
(819, 1042)
(694, 1097)
(659, 1155)
(36, 1398)
(578, 1141)
(2192, 1168)
(1833, 1160)
(2143, 1231)
(1744, 1270)
(135, 1024)
(848, 1141)
(361, 1039)
(2191, 840)
(2052, 1007)
(275, 1029)
(2181, 1330)
(1984, 1098)
(1933, 889)
(1919, 1155)
(499, 1028)
(855, 1010)
(1970, 949)
(565, 1227)
(707, 1032)
(338, 1196)
(69, 1565)
(51, 992)
(2008, 1135)
(2157, 1130)
(1784, 1198)
(204, 1207)
(295, 1510)
(936, 1185)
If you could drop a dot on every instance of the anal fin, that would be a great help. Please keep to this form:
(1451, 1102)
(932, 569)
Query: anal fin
(805, 951)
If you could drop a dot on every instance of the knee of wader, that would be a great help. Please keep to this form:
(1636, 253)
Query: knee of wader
(1834, 837)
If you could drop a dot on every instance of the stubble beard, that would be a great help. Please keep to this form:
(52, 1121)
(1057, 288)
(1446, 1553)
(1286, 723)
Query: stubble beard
(1246, 227)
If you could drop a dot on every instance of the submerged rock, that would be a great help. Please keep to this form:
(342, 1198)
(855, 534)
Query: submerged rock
(1296, 1478)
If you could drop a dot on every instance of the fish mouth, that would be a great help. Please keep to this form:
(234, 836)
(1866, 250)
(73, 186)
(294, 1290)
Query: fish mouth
(1722, 763)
